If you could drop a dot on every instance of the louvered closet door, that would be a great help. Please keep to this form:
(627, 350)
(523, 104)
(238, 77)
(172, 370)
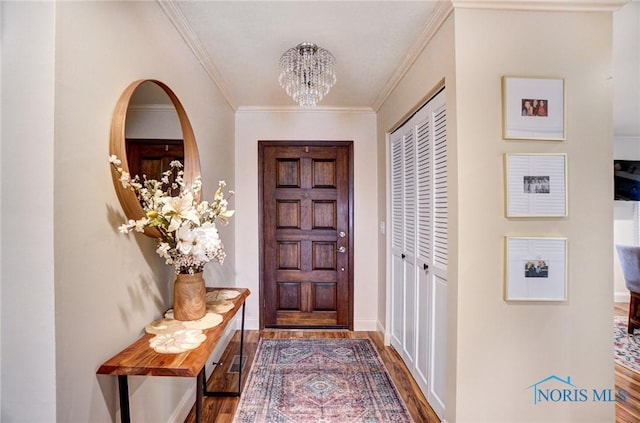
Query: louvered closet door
(403, 244)
(430, 364)
(419, 239)
(424, 253)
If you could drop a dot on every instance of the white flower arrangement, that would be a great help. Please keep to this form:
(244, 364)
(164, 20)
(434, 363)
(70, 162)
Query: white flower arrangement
(189, 237)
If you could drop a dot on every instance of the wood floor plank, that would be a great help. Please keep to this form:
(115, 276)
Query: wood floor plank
(627, 411)
(221, 410)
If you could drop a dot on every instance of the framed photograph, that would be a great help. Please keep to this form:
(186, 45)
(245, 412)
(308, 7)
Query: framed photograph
(536, 269)
(533, 108)
(536, 185)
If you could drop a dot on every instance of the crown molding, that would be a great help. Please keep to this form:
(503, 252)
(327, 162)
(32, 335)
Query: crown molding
(440, 13)
(542, 5)
(295, 109)
(175, 15)
(151, 108)
(627, 138)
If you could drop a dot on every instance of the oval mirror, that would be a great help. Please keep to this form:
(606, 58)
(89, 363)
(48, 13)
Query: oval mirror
(146, 138)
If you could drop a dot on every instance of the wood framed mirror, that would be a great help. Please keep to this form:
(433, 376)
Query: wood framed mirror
(119, 146)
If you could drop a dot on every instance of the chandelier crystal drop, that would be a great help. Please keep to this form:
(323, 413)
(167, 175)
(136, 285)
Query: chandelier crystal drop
(307, 73)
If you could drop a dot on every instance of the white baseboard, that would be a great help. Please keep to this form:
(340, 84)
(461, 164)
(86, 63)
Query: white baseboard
(621, 297)
(365, 325)
(386, 336)
(251, 324)
(184, 406)
(368, 325)
(186, 402)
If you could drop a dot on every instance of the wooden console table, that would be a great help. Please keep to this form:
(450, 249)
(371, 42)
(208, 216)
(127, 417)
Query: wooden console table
(138, 359)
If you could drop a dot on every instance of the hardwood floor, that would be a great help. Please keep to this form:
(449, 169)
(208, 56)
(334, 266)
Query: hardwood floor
(627, 411)
(221, 410)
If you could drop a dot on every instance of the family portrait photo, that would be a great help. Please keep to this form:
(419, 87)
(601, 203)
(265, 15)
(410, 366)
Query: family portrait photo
(534, 107)
(536, 184)
(536, 269)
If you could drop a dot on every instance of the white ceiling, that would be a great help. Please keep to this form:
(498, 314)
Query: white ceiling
(240, 44)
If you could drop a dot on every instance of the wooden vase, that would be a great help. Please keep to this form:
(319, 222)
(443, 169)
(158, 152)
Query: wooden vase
(189, 297)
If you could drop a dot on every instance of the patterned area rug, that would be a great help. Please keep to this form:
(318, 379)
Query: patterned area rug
(626, 348)
(321, 381)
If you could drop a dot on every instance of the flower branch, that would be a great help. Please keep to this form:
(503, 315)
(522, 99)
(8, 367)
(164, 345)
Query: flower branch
(189, 237)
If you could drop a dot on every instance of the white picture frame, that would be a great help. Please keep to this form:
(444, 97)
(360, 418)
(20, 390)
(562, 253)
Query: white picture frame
(536, 185)
(536, 269)
(533, 108)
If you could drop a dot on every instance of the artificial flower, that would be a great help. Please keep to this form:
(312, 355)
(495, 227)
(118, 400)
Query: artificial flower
(189, 237)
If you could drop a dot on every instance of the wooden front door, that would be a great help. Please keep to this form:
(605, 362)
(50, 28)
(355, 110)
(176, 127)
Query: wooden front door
(306, 221)
(152, 157)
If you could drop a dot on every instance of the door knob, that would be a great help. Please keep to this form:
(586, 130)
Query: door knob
(341, 250)
(341, 234)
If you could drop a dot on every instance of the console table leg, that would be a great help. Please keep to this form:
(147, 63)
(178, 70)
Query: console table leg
(199, 394)
(241, 345)
(123, 388)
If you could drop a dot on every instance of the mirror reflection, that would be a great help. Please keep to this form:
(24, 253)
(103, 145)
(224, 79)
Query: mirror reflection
(152, 132)
(149, 129)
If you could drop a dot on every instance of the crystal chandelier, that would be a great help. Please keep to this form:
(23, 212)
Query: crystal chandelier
(307, 73)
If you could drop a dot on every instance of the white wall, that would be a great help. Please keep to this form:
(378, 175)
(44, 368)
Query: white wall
(503, 348)
(28, 374)
(626, 70)
(359, 127)
(107, 285)
(153, 122)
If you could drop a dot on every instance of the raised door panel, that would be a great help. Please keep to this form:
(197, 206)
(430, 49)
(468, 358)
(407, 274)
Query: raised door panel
(409, 314)
(397, 302)
(423, 330)
(438, 349)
